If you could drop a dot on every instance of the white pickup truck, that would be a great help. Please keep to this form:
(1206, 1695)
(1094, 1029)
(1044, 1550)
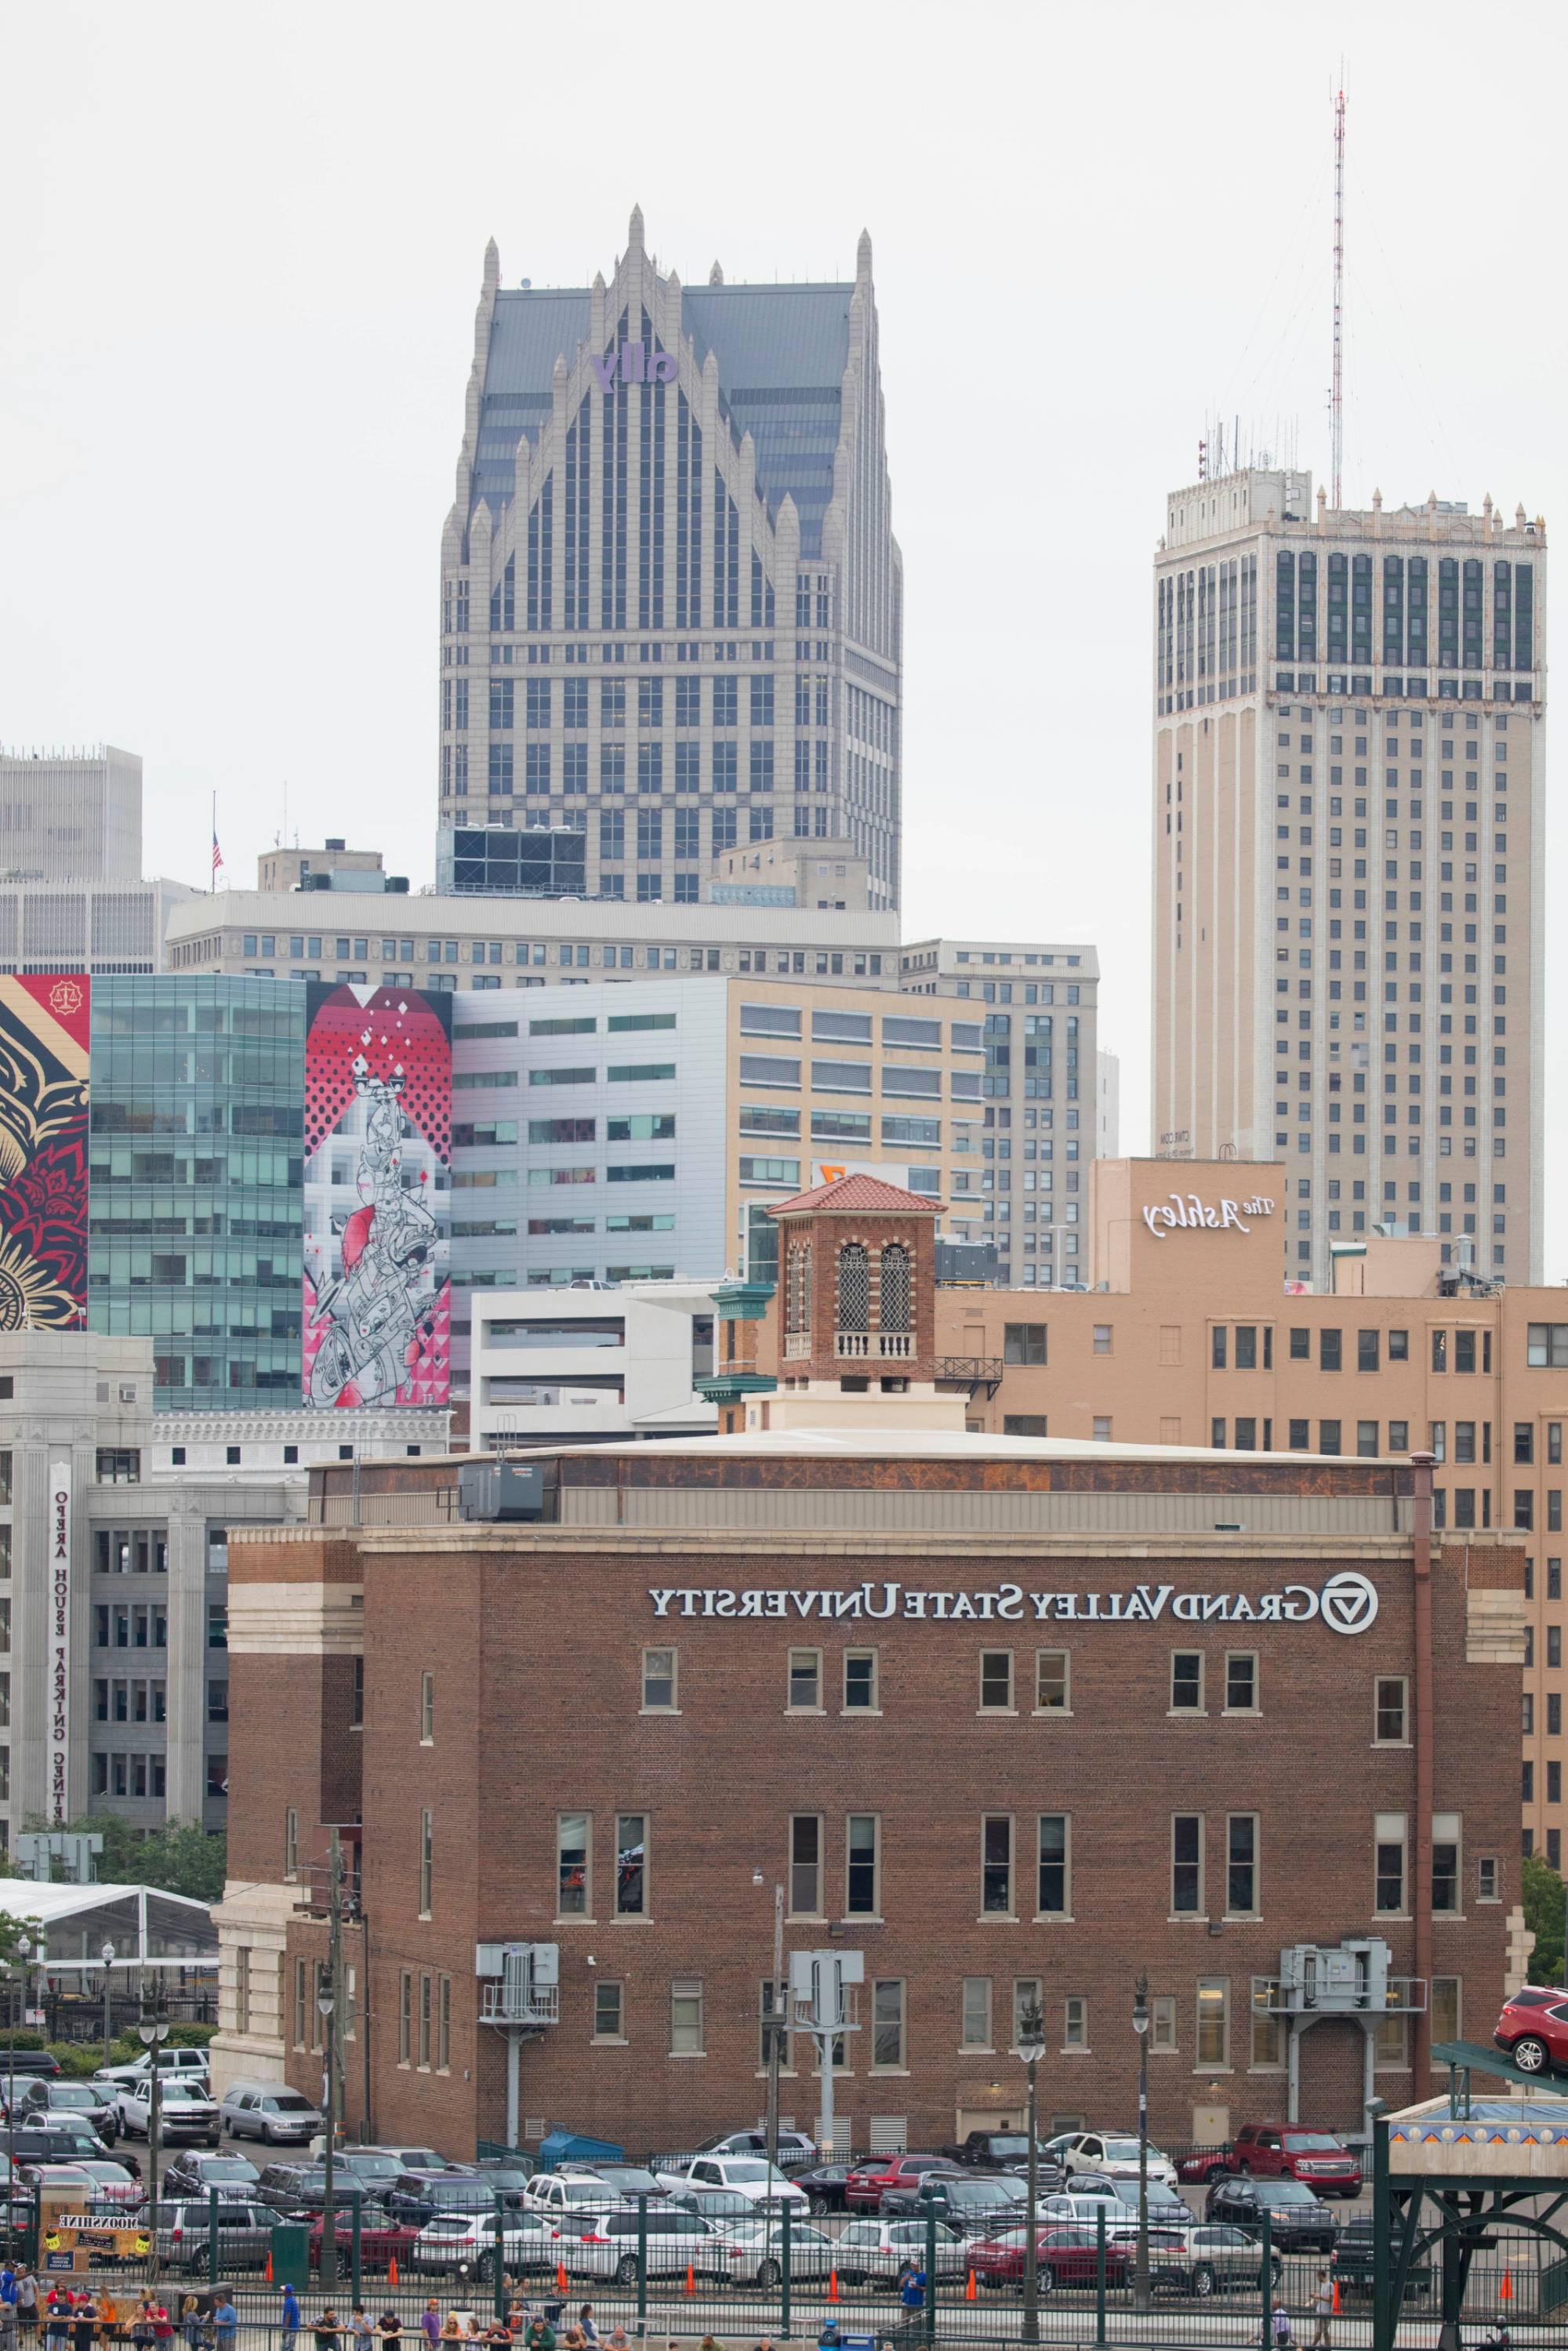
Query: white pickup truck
(187, 2064)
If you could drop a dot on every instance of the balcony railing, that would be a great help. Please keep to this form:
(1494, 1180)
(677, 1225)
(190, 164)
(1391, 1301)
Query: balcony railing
(797, 1343)
(519, 2003)
(888, 1346)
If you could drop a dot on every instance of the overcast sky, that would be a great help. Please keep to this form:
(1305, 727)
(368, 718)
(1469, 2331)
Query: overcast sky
(240, 256)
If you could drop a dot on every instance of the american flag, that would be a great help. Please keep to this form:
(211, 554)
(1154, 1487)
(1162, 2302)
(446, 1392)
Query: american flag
(217, 853)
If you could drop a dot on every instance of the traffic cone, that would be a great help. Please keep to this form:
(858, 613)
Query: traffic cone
(391, 2271)
(833, 2285)
(269, 2269)
(1505, 2290)
(970, 2294)
(1336, 2297)
(691, 2280)
(561, 2276)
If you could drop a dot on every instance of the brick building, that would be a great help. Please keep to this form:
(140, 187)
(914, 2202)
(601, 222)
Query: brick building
(1006, 1716)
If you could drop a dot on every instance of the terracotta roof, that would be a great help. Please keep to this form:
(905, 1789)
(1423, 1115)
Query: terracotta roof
(861, 1195)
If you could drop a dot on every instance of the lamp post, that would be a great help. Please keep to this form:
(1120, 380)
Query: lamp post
(24, 1953)
(107, 2009)
(1031, 2047)
(152, 2031)
(326, 2001)
(1141, 2027)
(775, 2033)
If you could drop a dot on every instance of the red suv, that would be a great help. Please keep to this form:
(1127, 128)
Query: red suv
(866, 2184)
(1286, 2151)
(1533, 2030)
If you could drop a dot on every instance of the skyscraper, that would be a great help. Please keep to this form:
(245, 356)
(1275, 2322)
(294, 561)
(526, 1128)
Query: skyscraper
(1349, 728)
(674, 519)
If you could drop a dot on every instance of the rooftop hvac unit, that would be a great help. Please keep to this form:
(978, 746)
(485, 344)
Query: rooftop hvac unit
(505, 1490)
(529, 1989)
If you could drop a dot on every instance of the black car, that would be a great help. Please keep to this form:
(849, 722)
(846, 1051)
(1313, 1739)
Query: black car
(417, 2197)
(302, 2188)
(824, 2184)
(1297, 2220)
(73, 2102)
(622, 2179)
(192, 2171)
(1352, 2262)
(507, 2178)
(48, 2143)
(976, 2203)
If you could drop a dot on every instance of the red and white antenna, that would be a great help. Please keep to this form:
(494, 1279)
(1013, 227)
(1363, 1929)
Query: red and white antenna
(1336, 398)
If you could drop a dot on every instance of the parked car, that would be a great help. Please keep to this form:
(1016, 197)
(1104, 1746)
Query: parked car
(824, 2185)
(1353, 2262)
(1064, 2255)
(190, 2172)
(975, 2203)
(15, 2064)
(1110, 2152)
(560, 2192)
(1204, 2165)
(418, 2195)
(794, 2147)
(865, 2184)
(748, 2174)
(82, 2102)
(184, 2110)
(369, 2168)
(1210, 2258)
(1072, 2205)
(1297, 2221)
(1006, 2151)
(56, 2143)
(625, 2179)
(171, 2062)
(382, 2241)
(720, 2204)
(462, 2244)
(1165, 2204)
(277, 2116)
(419, 2158)
(302, 2188)
(114, 2189)
(1287, 2151)
(676, 2240)
(875, 2251)
(60, 2179)
(507, 2178)
(1533, 2030)
(757, 2251)
(244, 2235)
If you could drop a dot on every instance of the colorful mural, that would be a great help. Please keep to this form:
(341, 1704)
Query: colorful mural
(378, 1124)
(43, 1151)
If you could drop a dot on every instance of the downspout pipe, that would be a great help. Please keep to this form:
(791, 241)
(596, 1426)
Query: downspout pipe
(1423, 1729)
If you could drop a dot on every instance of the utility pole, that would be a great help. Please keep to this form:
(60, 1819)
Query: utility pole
(327, 2001)
(1336, 398)
(776, 2036)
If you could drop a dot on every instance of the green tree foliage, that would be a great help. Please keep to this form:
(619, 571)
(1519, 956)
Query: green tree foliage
(181, 1858)
(1542, 1895)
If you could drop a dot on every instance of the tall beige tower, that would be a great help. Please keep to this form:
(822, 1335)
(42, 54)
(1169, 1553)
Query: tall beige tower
(1349, 716)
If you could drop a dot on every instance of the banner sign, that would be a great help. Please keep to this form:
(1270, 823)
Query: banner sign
(58, 1759)
(44, 1040)
(1346, 1602)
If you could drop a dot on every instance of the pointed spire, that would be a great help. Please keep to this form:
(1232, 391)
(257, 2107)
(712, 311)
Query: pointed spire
(599, 281)
(634, 230)
(560, 371)
(492, 266)
(716, 275)
(863, 257)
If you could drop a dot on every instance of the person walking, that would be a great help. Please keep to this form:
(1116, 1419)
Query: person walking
(26, 2302)
(1323, 2310)
(290, 2318)
(430, 2323)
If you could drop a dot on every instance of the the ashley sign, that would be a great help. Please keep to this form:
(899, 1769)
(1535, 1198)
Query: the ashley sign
(1346, 1602)
(1188, 1213)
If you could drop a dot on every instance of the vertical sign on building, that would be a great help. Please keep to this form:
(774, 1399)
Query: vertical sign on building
(377, 1125)
(43, 1151)
(59, 1642)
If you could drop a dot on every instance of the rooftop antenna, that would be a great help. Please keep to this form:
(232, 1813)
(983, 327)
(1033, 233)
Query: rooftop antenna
(1336, 398)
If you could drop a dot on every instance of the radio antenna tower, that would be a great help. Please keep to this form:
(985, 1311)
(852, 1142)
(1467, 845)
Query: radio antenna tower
(1336, 398)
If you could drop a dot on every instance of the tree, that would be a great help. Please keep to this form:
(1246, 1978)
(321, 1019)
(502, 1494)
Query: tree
(1543, 1893)
(181, 1858)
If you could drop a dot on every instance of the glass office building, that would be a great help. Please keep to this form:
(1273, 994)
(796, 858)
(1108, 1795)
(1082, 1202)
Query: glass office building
(198, 1182)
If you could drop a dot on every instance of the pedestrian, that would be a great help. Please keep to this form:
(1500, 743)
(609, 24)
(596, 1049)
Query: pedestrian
(326, 2331)
(58, 2321)
(541, 2335)
(226, 2324)
(1323, 2310)
(452, 2328)
(498, 2336)
(191, 2318)
(586, 2327)
(9, 2286)
(1283, 2338)
(290, 2318)
(617, 2339)
(28, 2301)
(430, 2323)
(361, 2332)
(142, 2333)
(389, 2326)
(163, 2326)
(912, 2286)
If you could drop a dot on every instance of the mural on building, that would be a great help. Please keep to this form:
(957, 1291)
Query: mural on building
(43, 1151)
(378, 1124)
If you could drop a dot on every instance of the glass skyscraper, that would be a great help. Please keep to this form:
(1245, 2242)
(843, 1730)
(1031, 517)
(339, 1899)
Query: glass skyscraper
(198, 1182)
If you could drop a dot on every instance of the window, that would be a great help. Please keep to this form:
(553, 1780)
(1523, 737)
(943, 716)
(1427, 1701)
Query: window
(659, 1682)
(1163, 2024)
(1268, 2031)
(975, 2012)
(1101, 1338)
(1052, 1683)
(404, 2013)
(805, 1681)
(1213, 2021)
(1367, 1350)
(860, 1681)
(443, 2023)
(1445, 2008)
(863, 1887)
(428, 1710)
(997, 1681)
(1446, 1840)
(1329, 1351)
(1389, 1834)
(1486, 1881)
(630, 1865)
(1241, 1866)
(1074, 2021)
(426, 1862)
(242, 1988)
(290, 1845)
(1186, 1681)
(1024, 1342)
(608, 2010)
(572, 1864)
(996, 1864)
(1389, 1703)
(1548, 1345)
(686, 2017)
(1187, 1865)
(1053, 1890)
(887, 2027)
(805, 1865)
(1241, 1681)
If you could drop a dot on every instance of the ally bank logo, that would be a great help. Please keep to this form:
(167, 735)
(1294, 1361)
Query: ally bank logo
(634, 363)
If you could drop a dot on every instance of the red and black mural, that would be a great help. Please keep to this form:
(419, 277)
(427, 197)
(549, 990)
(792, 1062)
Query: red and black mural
(378, 1123)
(43, 1043)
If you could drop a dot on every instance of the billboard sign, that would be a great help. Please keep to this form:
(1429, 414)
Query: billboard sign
(43, 1042)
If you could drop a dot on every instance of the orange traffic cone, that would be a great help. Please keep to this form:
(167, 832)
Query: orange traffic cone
(970, 2294)
(561, 2275)
(1336, 2297)
(391, 2271)
(691, 2280)
(269, 2269)
(833, 2285)
(1505, 2290)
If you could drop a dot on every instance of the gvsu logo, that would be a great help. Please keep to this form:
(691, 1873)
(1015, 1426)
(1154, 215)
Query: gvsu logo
(1348, 1603)
(634, 363)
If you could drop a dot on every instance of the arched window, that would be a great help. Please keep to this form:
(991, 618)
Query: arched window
(894, 1303)
(797, 1295)
(855, 1288)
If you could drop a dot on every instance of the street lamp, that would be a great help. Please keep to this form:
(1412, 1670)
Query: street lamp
(107, 2010)
(24, 1953)
(1141, 2027)
(775, 2033)
(1030, 2046)
(152, 2031)
(326, 2001)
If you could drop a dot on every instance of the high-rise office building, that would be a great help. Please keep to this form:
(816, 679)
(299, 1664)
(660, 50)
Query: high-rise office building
(1349, 716)
(70, 815)
(671, 595)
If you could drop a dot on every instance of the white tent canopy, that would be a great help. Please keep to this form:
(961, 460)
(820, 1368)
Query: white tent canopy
(149, 1929)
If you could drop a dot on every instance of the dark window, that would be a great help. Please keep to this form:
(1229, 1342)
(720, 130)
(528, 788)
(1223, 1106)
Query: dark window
(1366, 1350)
(1329, 1351)
(1328, 1437)
(1024, 1342)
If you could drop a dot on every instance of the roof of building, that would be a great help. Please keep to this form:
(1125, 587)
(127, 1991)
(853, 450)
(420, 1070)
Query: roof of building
(857, 1195)
(884, 1443)
(781, 352)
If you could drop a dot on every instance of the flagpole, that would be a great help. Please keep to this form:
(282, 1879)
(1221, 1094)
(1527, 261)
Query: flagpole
(213, 886)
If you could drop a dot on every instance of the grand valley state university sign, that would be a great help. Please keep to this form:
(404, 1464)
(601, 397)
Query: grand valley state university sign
(1345, 1602)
